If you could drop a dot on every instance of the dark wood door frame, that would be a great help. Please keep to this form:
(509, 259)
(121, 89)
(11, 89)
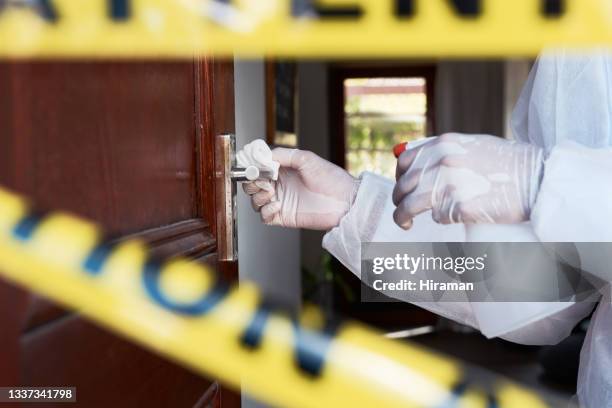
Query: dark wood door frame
(336, 76)
(214, 113)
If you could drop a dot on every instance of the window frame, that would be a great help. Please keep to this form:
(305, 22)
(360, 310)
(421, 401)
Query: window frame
(338, 73)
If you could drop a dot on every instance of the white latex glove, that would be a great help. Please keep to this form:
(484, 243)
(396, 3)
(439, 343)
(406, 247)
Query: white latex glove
(310, 192)
(468, 179)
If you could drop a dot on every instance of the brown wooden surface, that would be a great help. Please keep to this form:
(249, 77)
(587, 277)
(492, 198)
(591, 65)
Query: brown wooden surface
(107, 371)
(130, 145)
(214, 113)
(13, 309)
(113, 142)
(215, 107)
(190, 238)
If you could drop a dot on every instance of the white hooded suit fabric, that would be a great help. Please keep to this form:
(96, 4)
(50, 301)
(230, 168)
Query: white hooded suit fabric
(565, 108)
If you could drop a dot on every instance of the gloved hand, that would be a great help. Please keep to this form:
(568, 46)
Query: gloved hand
(310, 192)
(468, 179)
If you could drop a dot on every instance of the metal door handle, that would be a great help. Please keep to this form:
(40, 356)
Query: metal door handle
(227, 175)
(249, 173)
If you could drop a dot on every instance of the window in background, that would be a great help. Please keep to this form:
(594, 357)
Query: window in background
(281, 103)
(379, 113)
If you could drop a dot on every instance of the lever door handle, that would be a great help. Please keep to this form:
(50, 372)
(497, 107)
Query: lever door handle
(227, 175)
(250, 173)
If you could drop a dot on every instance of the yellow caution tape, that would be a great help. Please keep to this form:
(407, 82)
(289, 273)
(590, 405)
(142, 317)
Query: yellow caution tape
(183, 311)
(304, 28)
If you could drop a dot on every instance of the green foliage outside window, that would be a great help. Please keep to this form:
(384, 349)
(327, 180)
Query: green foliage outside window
(375, 123)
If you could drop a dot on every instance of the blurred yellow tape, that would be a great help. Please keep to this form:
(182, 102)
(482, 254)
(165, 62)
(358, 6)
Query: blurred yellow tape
(181, 310)
(299, 28)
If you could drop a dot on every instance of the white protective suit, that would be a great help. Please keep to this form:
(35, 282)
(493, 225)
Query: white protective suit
(565, 108)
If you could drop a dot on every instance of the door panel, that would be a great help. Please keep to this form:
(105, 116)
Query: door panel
(130, 145)
(13, 311)
(107, 371)
(190, 238)
(112, 142)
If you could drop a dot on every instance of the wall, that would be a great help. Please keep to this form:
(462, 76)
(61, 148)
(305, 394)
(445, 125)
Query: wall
(269, 256)
(479, 96)
(469, 97)
(313, 135)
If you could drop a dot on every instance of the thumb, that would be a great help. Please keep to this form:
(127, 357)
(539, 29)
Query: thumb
(285, 156)
(295, 158)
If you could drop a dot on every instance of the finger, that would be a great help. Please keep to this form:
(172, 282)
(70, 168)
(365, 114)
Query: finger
(445, 208)
(407, 158)
(261, 198)
(250, 188)
(294, 158)
(410, 207)
(443, 151)
(446, 215)
(284, 156)
(257, 186)
(405, 185)
(266, 185)
(471, 212)
(415, 181)
(454, 213)
(402, 219)
(404, 224)
(270, 213)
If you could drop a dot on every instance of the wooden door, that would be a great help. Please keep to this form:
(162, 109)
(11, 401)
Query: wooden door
(130, 145)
